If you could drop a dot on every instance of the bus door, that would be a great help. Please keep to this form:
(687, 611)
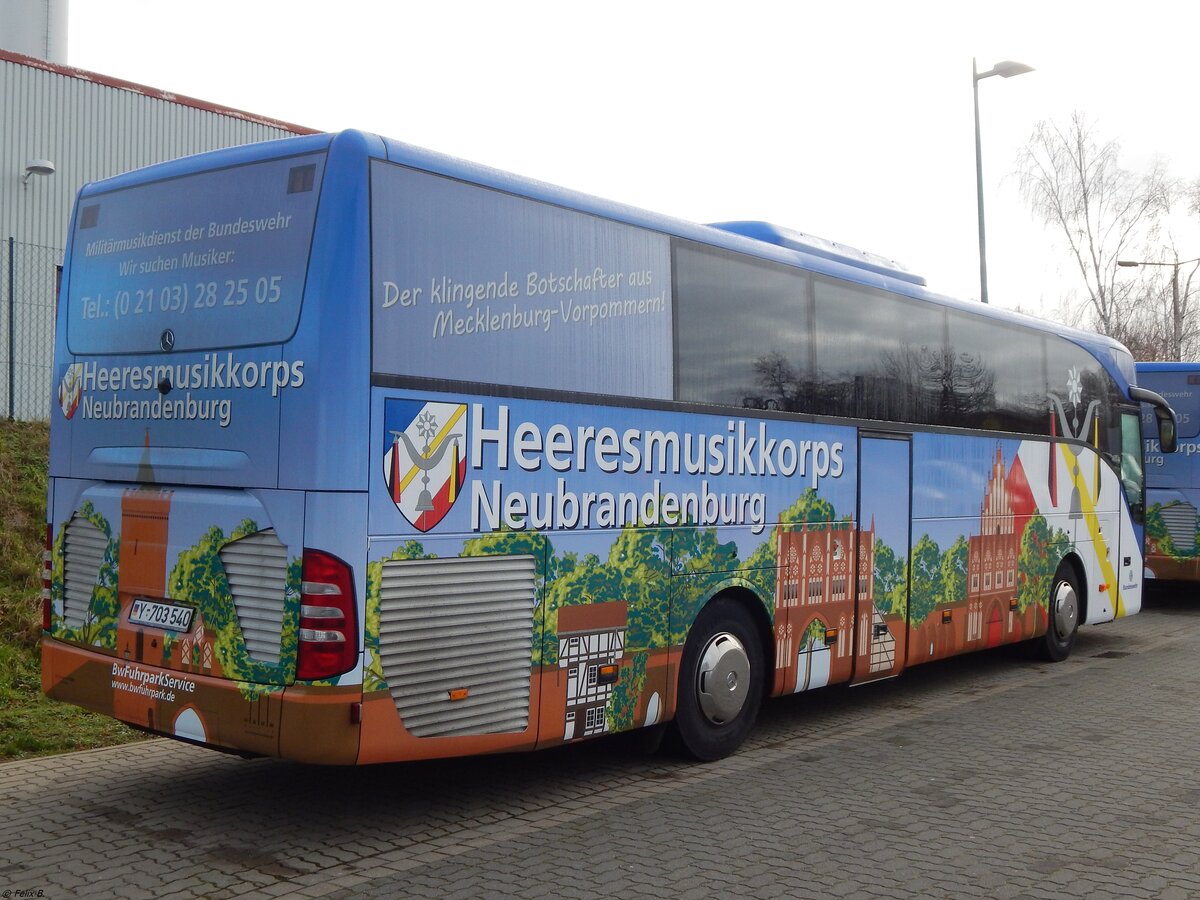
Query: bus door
(1132, 541)
(881, 586)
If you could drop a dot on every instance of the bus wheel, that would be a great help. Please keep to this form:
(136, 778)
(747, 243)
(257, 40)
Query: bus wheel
(1065, 606)
(720, 681)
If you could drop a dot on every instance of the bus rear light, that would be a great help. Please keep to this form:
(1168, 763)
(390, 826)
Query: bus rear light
(313, 636)
(48, 579)
(328, 636)
(319, 588)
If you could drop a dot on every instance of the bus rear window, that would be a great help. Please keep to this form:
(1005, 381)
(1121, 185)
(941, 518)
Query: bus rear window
(215, 259)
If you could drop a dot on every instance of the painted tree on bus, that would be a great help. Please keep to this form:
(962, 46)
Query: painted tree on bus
(895, 602)
(621, 714)
(954, 572)
(103, 611)
(634, 571)
(1042, 549)
(638, 570)
(1157, 534)
(889, 576)
(760, 568)
(198, 579)
(639, 559)
(925, 571)
(706, 564)
(815, 511)
(937, 579)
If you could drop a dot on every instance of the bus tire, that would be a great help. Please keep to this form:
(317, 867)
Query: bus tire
(1066, 602)
(721, 678)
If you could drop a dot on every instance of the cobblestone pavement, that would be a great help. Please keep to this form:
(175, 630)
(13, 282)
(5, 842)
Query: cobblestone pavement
(984, 776)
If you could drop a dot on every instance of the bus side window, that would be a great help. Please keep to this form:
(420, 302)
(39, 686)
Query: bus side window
(1131, 463)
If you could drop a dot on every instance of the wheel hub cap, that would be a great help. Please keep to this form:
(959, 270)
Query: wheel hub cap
(723, 678)
(1066, 609)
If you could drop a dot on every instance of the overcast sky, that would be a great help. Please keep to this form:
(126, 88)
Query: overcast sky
(851, 120)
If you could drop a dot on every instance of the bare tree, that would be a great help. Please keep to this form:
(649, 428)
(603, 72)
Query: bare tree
(1075, 183)
(1164, 315)
(1186, 332)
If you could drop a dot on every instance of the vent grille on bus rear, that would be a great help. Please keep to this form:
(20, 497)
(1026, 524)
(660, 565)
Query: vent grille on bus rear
(84, 546)
(1180, 522)
(256, 568)
(454, 639)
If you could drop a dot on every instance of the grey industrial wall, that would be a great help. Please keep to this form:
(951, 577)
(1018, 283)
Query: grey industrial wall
(91, 127)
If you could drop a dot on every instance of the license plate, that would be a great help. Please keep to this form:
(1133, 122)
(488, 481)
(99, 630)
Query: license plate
(157, 614)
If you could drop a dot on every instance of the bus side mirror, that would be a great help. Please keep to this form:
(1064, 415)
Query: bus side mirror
(1167, 436)
(1167, 431)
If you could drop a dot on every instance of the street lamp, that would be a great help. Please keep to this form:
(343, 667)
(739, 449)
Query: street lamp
(1176, 321)
(36, 167)
(1006, 69)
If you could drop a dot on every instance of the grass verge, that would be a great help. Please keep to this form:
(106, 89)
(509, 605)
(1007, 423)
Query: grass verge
(30, 724)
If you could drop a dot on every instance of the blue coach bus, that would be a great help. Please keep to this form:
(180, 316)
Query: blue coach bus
(362, 453)
(1173, 479)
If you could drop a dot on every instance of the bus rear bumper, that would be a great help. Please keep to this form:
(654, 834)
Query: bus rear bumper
(301, 723)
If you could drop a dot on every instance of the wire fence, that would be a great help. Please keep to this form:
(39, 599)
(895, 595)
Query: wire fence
(29, 280)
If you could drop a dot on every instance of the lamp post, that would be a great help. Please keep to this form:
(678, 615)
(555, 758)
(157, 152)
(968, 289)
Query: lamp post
(36, 167)
(1006, 69)
(1176, 321)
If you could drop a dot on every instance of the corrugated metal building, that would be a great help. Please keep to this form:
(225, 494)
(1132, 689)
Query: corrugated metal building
(88, 126)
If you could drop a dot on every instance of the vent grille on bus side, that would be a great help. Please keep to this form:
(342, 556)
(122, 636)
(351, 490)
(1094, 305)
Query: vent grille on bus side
(84, 546)
(1180, 522)
(256, 568)
(455, 625)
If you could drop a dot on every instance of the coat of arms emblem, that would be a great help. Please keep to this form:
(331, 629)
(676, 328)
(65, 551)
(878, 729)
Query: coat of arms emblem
(70, 388)
(424, 458)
